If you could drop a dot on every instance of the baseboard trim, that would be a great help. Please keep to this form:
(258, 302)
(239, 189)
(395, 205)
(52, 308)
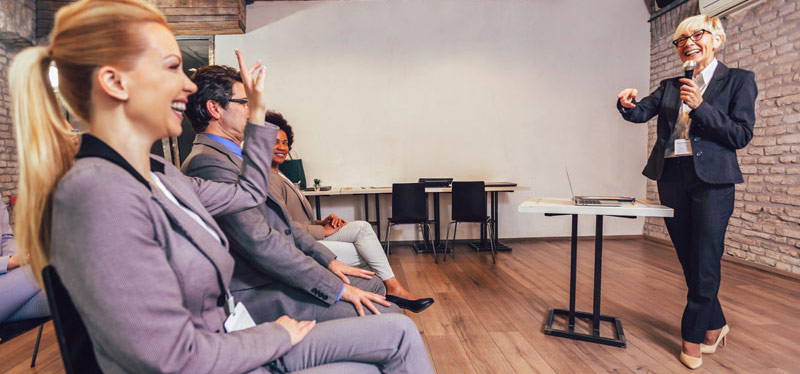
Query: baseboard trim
(736, 260)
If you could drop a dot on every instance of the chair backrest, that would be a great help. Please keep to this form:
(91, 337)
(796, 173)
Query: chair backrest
(409, 203)
(77, 352)
(469, 201)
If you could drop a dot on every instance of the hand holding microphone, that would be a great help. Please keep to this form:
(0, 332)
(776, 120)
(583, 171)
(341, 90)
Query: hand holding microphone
(690, 91)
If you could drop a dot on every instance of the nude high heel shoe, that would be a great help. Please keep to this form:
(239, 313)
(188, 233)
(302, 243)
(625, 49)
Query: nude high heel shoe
(691, 362)
(722, 338)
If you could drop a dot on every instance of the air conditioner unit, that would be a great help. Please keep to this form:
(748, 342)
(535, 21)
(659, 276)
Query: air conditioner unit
(719, 8)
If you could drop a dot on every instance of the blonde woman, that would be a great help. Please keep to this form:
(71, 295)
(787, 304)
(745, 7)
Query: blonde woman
(132, 238)
(702, 121)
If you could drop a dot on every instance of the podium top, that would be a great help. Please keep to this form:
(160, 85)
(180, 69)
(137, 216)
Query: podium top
(567, 206)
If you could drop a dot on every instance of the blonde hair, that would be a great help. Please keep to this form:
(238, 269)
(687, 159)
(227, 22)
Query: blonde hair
(701, 21)
(86, 35)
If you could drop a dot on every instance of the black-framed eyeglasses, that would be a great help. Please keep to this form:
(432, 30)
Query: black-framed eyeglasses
(696, 36)
(240, 101)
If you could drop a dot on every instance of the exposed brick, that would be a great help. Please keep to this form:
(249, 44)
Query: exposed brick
(765, 39)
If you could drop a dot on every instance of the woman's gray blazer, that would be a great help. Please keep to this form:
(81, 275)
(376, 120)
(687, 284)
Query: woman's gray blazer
(300, 211)
(144, 276)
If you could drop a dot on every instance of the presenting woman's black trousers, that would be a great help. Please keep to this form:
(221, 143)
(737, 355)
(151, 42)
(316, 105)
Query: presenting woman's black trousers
(697, 230)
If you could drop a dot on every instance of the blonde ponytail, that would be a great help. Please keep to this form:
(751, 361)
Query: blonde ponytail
(45, 151)
(86, 34)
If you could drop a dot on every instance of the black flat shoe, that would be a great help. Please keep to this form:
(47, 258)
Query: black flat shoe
(415, 306)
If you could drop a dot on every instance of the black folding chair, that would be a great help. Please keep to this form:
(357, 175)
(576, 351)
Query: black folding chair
(11, 330)
(469, 205)
(77, 351)
(410, 206)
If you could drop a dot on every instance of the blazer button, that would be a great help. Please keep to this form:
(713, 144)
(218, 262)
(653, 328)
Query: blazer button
(698, 154)
(324, 297)
(697, 138)
(287, 232)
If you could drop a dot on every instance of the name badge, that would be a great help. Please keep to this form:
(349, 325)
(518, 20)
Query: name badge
(239, 320)
(682, 147)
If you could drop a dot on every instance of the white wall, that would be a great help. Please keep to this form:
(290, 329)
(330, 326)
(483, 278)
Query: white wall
(390, 91)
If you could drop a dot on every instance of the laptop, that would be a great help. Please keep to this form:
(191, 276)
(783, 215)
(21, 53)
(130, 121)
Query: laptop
(436, 182)
(595, 200)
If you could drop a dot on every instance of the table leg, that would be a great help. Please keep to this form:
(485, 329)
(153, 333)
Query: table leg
(573, 270)
(377, 214)
(366, 210)
(598, 268)
(319, 207)
(436, 233)
(482, 245)
(495, 217)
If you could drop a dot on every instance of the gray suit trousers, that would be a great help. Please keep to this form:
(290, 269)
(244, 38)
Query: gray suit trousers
(382, 344)
(274, 300)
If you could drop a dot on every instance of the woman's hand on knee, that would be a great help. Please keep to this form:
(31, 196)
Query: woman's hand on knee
(342, 271)
(297, 329)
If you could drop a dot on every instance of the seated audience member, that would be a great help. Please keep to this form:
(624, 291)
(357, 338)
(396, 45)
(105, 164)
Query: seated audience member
(132, 238)
(355, 243)
(20, 296)
(280, 269)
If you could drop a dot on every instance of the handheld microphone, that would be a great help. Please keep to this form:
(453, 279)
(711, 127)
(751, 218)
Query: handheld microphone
(688, 69)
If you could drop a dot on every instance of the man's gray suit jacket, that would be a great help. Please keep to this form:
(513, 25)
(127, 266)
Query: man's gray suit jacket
(272, 252)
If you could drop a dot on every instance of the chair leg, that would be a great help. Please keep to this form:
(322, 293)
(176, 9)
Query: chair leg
(453, 246)
(433, 245)
(388, 230)
(447, 239)
(36, 346)
(491, 239)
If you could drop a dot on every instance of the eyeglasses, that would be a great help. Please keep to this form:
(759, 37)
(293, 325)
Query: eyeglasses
(696, 36)
(240, 101)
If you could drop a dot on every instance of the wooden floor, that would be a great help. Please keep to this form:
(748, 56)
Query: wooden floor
(488, 319)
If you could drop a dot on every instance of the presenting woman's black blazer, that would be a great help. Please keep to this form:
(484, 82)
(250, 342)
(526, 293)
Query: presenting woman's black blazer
(722, 124)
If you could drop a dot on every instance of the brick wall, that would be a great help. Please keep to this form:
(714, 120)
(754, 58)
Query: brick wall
(765, 38)
(16, 32)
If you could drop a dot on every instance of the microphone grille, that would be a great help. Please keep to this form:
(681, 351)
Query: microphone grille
(689, 65)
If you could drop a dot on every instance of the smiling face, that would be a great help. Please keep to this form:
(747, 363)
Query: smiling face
(701, 51)
(281, 149)
(159, 89)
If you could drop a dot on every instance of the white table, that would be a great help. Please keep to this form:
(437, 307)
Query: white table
(491, 187)
(560, 206)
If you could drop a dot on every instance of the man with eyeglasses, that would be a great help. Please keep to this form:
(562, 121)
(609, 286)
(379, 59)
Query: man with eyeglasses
(280, 268)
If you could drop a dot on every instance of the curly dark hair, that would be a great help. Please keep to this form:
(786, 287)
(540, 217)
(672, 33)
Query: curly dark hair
(277, 119)
(215, 83)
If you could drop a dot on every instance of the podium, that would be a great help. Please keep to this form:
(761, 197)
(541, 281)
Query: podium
(559, 207)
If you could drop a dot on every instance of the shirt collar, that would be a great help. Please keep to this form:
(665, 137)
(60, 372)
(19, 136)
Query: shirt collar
(92, 146)
(227, 143)
(708, 72)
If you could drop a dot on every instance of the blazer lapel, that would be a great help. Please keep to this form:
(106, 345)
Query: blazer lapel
(303, 200)
(273, 203)
(673, 97)
(195, 234)
(188, 199)
(716, 84)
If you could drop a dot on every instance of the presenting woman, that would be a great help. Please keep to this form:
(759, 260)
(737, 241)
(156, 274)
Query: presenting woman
(701, 123)
(132, 238)
(354, 243)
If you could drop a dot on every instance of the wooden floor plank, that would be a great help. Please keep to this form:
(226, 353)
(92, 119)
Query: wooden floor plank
(488, 317)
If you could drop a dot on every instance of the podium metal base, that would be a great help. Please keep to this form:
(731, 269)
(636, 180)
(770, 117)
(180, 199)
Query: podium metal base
(617, 341)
